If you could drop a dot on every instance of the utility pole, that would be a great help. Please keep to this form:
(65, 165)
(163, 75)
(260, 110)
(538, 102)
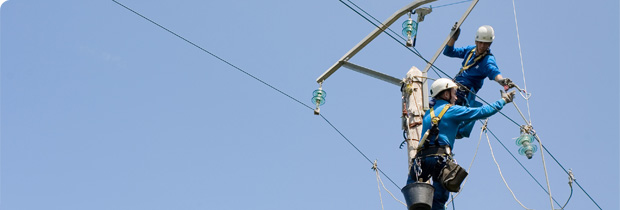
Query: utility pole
(413, 110)
(412, 86)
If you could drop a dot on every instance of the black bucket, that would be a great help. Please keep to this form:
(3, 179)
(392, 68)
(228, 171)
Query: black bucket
(419, 196)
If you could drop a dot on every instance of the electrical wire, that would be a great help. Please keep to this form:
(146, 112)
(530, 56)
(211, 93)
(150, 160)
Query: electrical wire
(500, 173)
(414, 51)
(358, 150)
(510, 119)
(515, 158)
(450, 4)
(421, 57)
(353, 145)
(265, 83)
(204, 50)
(569, 197)
(567, 172)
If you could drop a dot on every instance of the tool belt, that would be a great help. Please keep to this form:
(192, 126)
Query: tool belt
(434, 151)
(451, 176)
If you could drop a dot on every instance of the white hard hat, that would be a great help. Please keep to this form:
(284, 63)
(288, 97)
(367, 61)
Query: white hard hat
(441, 85)
(485, 34)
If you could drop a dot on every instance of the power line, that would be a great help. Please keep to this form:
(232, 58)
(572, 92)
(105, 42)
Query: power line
(528, 172)
(584, 191)
(256, 78)
(502, 175)
(437, 68)
(221, 59)
(414, 51)
(450, 4)
(307, 106)
(358, 150)
(421, 57)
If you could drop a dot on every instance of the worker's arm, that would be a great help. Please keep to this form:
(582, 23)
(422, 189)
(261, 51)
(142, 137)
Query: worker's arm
(495, 74)
(451, 42)
(499, 79)
(449, 50)
(454, 36)
(462, 113)
(507, 83)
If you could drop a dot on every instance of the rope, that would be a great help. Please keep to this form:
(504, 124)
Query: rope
(256, 78)
(526, 122)
(435, 68)
(375, 167)
(453, 207)
(569, 173)
(294, 99)
(484, 127)
(414, 51)
(515, 158)
(378, 185)
(527, 99)
(502, 175)
(542, 153)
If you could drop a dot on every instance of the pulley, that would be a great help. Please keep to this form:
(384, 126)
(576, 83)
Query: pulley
(318, 99)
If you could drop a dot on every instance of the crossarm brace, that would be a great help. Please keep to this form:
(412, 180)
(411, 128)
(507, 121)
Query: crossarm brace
(371, 37)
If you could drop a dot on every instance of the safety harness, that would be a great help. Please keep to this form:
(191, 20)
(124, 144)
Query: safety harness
(476, 60)
(434, 130)
(463, 90)
(451, 175)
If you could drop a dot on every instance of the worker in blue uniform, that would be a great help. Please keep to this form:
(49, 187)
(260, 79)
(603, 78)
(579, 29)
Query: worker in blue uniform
(440, 131)
(478, 64)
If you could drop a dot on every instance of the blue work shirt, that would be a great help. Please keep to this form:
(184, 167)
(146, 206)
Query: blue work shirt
(473, 77)
(449, 123)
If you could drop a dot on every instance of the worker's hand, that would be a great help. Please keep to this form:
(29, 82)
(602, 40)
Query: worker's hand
(507, 83)
(508, 97)
(456, 34)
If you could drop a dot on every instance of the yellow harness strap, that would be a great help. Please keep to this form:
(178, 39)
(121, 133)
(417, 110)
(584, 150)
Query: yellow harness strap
(476, 59)
(434, 121)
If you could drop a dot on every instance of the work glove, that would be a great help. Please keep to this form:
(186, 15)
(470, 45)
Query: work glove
(508, 97)
(456, 34)
(507, 83)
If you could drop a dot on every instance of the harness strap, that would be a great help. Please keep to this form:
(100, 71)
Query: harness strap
(443, 111)
(476, 59)
(435, 122)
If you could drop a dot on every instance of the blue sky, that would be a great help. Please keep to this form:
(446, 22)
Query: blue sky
(101, 109)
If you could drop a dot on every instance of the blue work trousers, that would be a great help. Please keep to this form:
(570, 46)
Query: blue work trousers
(430, 167)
